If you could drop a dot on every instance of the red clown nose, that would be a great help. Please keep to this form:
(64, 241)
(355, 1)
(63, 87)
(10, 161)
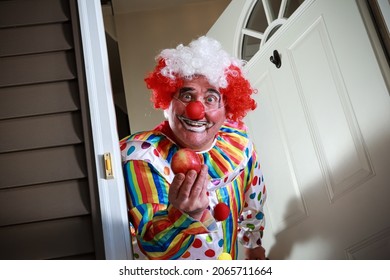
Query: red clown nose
(195, 110)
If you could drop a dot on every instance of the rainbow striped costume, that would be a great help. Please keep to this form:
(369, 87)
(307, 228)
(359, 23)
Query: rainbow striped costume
(164, 232)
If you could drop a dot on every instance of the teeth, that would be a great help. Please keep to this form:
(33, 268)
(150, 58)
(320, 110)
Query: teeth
(196, 126)
(194, 123)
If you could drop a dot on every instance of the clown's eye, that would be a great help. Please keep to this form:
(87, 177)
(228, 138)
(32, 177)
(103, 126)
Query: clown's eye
(185, 97)
(212, 99)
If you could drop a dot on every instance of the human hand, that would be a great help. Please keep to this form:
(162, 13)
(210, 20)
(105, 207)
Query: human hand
(188, 192)
(257, 253)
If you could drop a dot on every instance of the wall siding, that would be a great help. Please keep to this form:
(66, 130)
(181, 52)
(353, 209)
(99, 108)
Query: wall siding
(48, 197)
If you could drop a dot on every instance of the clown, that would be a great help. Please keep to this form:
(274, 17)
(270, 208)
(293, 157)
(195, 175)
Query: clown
(197, 215)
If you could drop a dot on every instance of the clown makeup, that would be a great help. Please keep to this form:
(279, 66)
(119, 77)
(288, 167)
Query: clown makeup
(212, 99)
(196, 130)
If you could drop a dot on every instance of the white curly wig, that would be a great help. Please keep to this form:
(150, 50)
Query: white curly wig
(203, 56)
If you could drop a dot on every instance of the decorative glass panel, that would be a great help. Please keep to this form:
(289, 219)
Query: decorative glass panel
(257, 19)
(291, 6)
(250, 46)
(265, 18)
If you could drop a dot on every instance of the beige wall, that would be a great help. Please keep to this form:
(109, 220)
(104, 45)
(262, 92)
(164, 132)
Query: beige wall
(142, 35)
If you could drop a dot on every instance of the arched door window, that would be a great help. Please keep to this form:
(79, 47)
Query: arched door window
(263, 20)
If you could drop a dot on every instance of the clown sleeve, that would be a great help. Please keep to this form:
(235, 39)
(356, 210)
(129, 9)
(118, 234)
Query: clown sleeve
(162, 231)
(252, 221)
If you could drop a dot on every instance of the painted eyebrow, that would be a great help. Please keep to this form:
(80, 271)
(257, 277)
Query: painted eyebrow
(213, 90)
(189, 89)
(186, 89)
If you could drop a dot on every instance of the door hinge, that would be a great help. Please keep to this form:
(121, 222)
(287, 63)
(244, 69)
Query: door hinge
(108, 166)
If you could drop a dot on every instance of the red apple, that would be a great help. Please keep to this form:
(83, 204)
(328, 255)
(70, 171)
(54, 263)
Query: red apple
(195, 110)
(184, 160)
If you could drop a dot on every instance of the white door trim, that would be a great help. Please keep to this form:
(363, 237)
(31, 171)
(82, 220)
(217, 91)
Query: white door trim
(104, 131)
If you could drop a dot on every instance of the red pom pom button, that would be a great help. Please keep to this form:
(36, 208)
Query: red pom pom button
(221, 211)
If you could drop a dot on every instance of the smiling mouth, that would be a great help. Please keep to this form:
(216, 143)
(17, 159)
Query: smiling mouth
(195, 126)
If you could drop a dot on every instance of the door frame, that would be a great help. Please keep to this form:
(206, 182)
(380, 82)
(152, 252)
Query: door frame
(104, 131)
(381, 13)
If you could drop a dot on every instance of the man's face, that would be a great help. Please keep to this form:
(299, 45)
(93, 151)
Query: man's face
(196, 134)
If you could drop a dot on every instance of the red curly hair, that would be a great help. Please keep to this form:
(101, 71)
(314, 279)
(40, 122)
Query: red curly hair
(237, 95)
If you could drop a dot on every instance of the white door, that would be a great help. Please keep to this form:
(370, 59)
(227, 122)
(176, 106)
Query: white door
(322, 129)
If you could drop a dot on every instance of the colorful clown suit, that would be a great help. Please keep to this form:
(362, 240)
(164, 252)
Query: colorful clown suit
(163, 232)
